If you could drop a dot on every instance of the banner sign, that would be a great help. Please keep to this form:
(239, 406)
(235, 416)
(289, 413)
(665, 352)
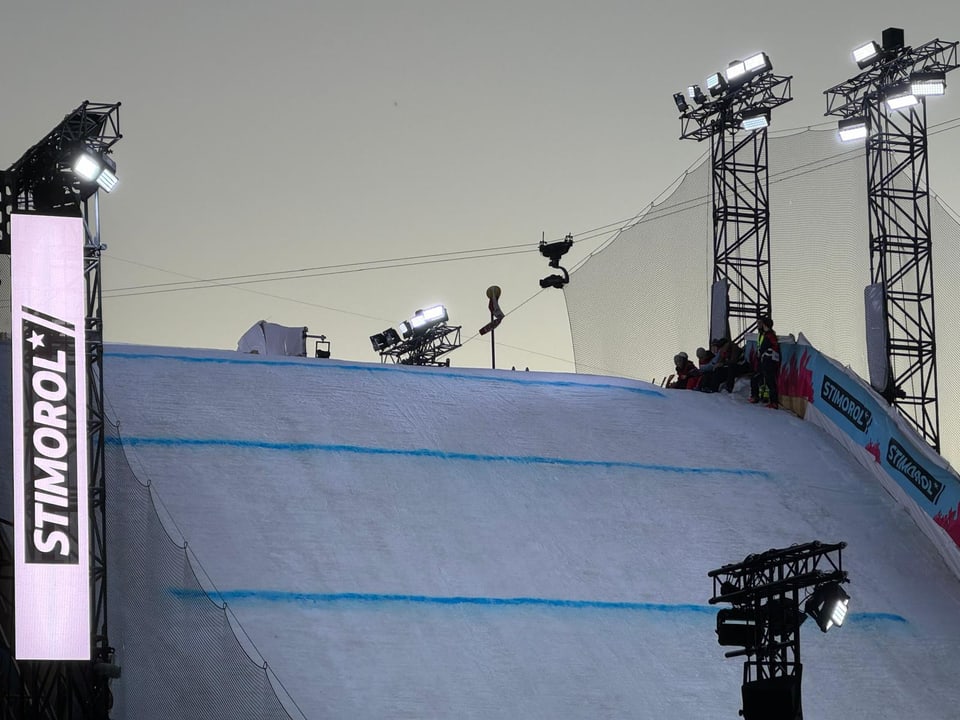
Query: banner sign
(859, 412)
(50, 475)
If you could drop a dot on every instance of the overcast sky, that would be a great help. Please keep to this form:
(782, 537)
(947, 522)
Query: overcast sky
(267, 137)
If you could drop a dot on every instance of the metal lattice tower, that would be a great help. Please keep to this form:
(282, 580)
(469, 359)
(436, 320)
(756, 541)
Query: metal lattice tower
(739, 190)
(898, 203)
(42, 181)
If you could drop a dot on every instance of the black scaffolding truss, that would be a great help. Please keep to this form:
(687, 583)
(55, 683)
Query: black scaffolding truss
(41, 181)
(740, 192)
(898, 204)
(765, 615)
(426, 348)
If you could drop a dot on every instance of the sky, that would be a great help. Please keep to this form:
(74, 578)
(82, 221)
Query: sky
(430, 543)
(331, 138)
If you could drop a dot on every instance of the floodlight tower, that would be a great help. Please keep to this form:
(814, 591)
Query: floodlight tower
(765, 617)
(61, 176)
(886, 105)
(735, 116)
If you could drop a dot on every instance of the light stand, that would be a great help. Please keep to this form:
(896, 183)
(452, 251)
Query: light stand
(765, 617)
(42, 181)
(740, 99)
(886, 104)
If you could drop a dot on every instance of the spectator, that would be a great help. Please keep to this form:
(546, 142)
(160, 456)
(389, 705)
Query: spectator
(687, 375)
(731, 364)
(768, 350)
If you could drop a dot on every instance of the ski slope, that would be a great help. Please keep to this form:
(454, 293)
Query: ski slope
(412, 542)
(438, 543)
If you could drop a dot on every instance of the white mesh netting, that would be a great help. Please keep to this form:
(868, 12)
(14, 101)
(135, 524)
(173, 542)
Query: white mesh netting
(645, 296)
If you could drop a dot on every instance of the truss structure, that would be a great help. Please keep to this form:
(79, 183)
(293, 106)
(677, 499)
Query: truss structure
(900, 241)
(740, 193)
(425, 349)
(41, 181)
(764, 592)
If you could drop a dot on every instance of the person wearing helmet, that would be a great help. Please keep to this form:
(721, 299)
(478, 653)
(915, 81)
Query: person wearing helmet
(768, 350)
(687, 375)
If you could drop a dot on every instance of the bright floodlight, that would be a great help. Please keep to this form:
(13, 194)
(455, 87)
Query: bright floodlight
(756, 64)
(107, 180)
(90, 167)
(928, 83)
(437, 313)
(854, 128)
(696, 94)
(86, 167)
(866, 54)
(755, 120)
(716, 84)
(900, 96)
(828, 605)
(423, 320)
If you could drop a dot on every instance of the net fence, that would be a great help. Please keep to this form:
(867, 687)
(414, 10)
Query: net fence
(181, 653)
(644, 296)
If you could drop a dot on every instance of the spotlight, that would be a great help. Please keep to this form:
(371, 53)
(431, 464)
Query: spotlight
(681, 102)
(423, 320)
(385, 339)
(92, 167)
(828, 605)
(696, 94)
(928, 83)
(738, 627)
(866, 55)
(755, 120)
(756, 64)
(735, 72)
(900, 96)
(716, 84)
(854, 128)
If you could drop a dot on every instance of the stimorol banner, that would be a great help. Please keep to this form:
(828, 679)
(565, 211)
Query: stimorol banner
(50, 477)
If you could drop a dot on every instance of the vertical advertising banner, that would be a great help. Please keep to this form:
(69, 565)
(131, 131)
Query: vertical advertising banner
(50, 475)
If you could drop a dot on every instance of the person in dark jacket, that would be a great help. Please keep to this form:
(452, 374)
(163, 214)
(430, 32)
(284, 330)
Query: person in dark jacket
(732, 364)
(687, 375)
(768, 350)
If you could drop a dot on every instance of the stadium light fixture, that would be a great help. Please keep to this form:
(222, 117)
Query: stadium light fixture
(681, 102)
(758, 63)
(94, 167)
(423, 320)
(735, 72)
(899, 96)
(854, 128)
(828, 605)
(928, 83)
(383, 340)
(696, 94)
(716, 84)
(866, 55)
(755, 119)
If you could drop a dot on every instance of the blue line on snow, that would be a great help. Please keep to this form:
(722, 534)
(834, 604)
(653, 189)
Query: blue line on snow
(425, 453)
(326, 365)
(299, 598)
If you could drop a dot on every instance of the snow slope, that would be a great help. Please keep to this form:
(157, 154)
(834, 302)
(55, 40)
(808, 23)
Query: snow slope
(445, 543)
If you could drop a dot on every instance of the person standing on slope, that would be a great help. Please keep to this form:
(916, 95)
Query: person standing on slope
(768, 349)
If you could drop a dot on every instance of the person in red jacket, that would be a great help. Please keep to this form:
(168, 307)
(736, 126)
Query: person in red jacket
(687, 374)
(768, 350)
